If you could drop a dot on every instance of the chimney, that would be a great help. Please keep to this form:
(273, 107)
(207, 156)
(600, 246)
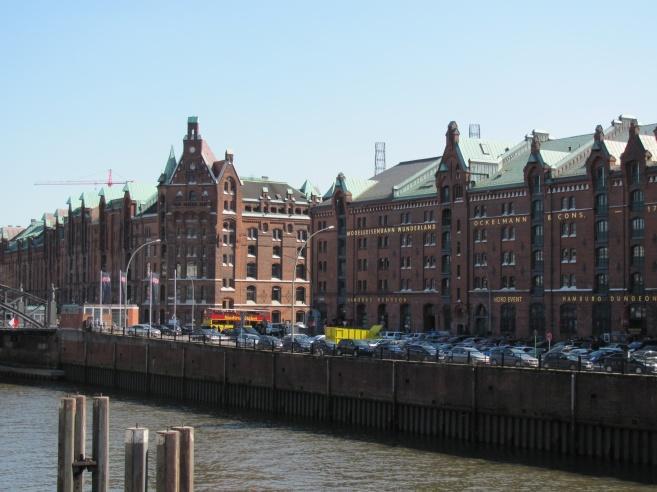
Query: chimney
(228, 156)
(452, 134)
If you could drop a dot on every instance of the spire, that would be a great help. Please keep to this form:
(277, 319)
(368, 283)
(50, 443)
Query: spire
(170, 167)
(536, 144)
(599, 135)
(452, 133)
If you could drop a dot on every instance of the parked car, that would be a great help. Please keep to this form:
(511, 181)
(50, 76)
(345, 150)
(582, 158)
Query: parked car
(618, 362)
(268, 342)
(391, 335)
(205, 334)
(275, 329)
(563, 360)
(358, 348)
(324, 346)
(144, 331)
(390, 349)
(188, 329)
(248, 340)
(421, 351)
(171, 330)
(511, 356)
(466, 355)
(301, 343)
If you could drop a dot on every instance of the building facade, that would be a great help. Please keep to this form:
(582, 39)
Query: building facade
(547, 235)
(221, 240)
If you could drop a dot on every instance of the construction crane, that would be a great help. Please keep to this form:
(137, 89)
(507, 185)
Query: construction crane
(108, 182)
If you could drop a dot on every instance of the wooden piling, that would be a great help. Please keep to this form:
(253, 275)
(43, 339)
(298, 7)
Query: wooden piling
(80, 439)
(186, 462)
(100, 444)
(136, 459)
(167, 471)
(65, 451)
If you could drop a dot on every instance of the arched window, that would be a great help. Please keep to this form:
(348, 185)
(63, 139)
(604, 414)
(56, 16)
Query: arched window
(275, 316)
(568, 319)
(444, 194)
(481, 320)
(537, 317)
(251, 293)
(301, 271)
(507, 319)
(276, 251)
(276, 294)
(637, 318)
(636, 283)
(405, 317)
(192, 196)
(252, 270)
(276, 270)
(229, 185)
(638, 227)
(300, 295)
(601, 203)
(300, 317)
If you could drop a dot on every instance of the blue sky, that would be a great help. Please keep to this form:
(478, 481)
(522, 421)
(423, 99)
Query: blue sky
(300, 89)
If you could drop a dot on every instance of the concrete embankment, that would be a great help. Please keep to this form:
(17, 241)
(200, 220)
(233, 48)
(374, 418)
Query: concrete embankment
(608, 416)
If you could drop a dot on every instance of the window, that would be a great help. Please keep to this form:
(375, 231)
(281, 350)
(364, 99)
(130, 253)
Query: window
(276, 294)
(406, 240)
(638, 255)
(383, 263)
(537, 317)
(405, 218)
(638, 226)
(300, 295)
(601, 282)
(404, 284)
(568, 319)
(602, 257)
(252, 270)
(637, 200)
(568, 281)
(508, 282)
(405, 262)
(444, 194)
(600, 178)
(458, 192)
(251, 250)
(635, 173)
(252, 233)
(382, 242)
(383, 220)
(537, 283)
(536, 184)
(508, 258)
(428, 216)
(537, 209)
(275, 270)
(301, 271)
(251, 293)
(446, 218)
(636, 283)
(537, 234)
(277, 234)
(276, 251)
(383, 285)
(191, 270)
(430, 261)
(601, 203)
(568, 255)
(507, 208)
(446, 240)
(480, 259)
(430, 238)
(568, 229)
(537, 258)
(508, 233)
(302, 235)
(601, 230)
(480, 235)
(445, 263)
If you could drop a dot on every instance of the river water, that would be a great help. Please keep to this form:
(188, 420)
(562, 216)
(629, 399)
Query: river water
(236, 451)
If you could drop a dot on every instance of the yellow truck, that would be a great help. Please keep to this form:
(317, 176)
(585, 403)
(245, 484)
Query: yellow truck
(337, 333)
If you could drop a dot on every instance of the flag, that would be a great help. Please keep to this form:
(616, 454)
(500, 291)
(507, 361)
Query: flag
(155, 286)
(106, 288)
(13, 322)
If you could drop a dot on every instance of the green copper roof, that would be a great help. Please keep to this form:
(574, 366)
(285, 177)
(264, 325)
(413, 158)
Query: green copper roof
(140, 192)
(192, 119)
(90, 199)
(169, 168)
(111, 193)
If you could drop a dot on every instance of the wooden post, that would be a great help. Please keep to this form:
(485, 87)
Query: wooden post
(167, 476)
(136, 459)
(186, 458)
(100, 444)
(79, 442)
(65, 446)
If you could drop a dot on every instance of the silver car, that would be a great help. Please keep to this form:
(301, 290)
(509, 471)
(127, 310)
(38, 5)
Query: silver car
(144, 331)
(466, 355)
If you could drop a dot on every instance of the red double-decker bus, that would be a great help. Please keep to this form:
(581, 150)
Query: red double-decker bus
(224, 319)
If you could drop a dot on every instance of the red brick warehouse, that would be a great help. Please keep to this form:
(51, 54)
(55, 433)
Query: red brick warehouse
(492, 237)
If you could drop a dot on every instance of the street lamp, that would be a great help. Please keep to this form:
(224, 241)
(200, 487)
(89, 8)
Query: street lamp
(127, 269)
(294, 275)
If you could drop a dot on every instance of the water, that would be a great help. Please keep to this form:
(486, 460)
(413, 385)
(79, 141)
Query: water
(235, 451)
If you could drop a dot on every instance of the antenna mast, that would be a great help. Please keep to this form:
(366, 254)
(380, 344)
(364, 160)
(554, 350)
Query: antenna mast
(379, 157)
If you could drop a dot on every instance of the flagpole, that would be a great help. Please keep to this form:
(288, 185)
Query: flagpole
(175, 293)
(150, 302)
(120, 298)
(101, 301)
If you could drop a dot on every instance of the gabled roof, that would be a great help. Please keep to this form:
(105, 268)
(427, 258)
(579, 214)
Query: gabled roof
(309, 189)
(169, 167)
(404, 176)
(140, 192)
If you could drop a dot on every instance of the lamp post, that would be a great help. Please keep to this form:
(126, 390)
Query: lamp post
(294, 276)
(127, 269)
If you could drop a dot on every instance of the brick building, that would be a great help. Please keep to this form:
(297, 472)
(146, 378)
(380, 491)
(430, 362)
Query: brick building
(548, 234)
(229, 241)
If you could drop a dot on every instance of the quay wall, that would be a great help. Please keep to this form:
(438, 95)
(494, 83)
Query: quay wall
(609, 416)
